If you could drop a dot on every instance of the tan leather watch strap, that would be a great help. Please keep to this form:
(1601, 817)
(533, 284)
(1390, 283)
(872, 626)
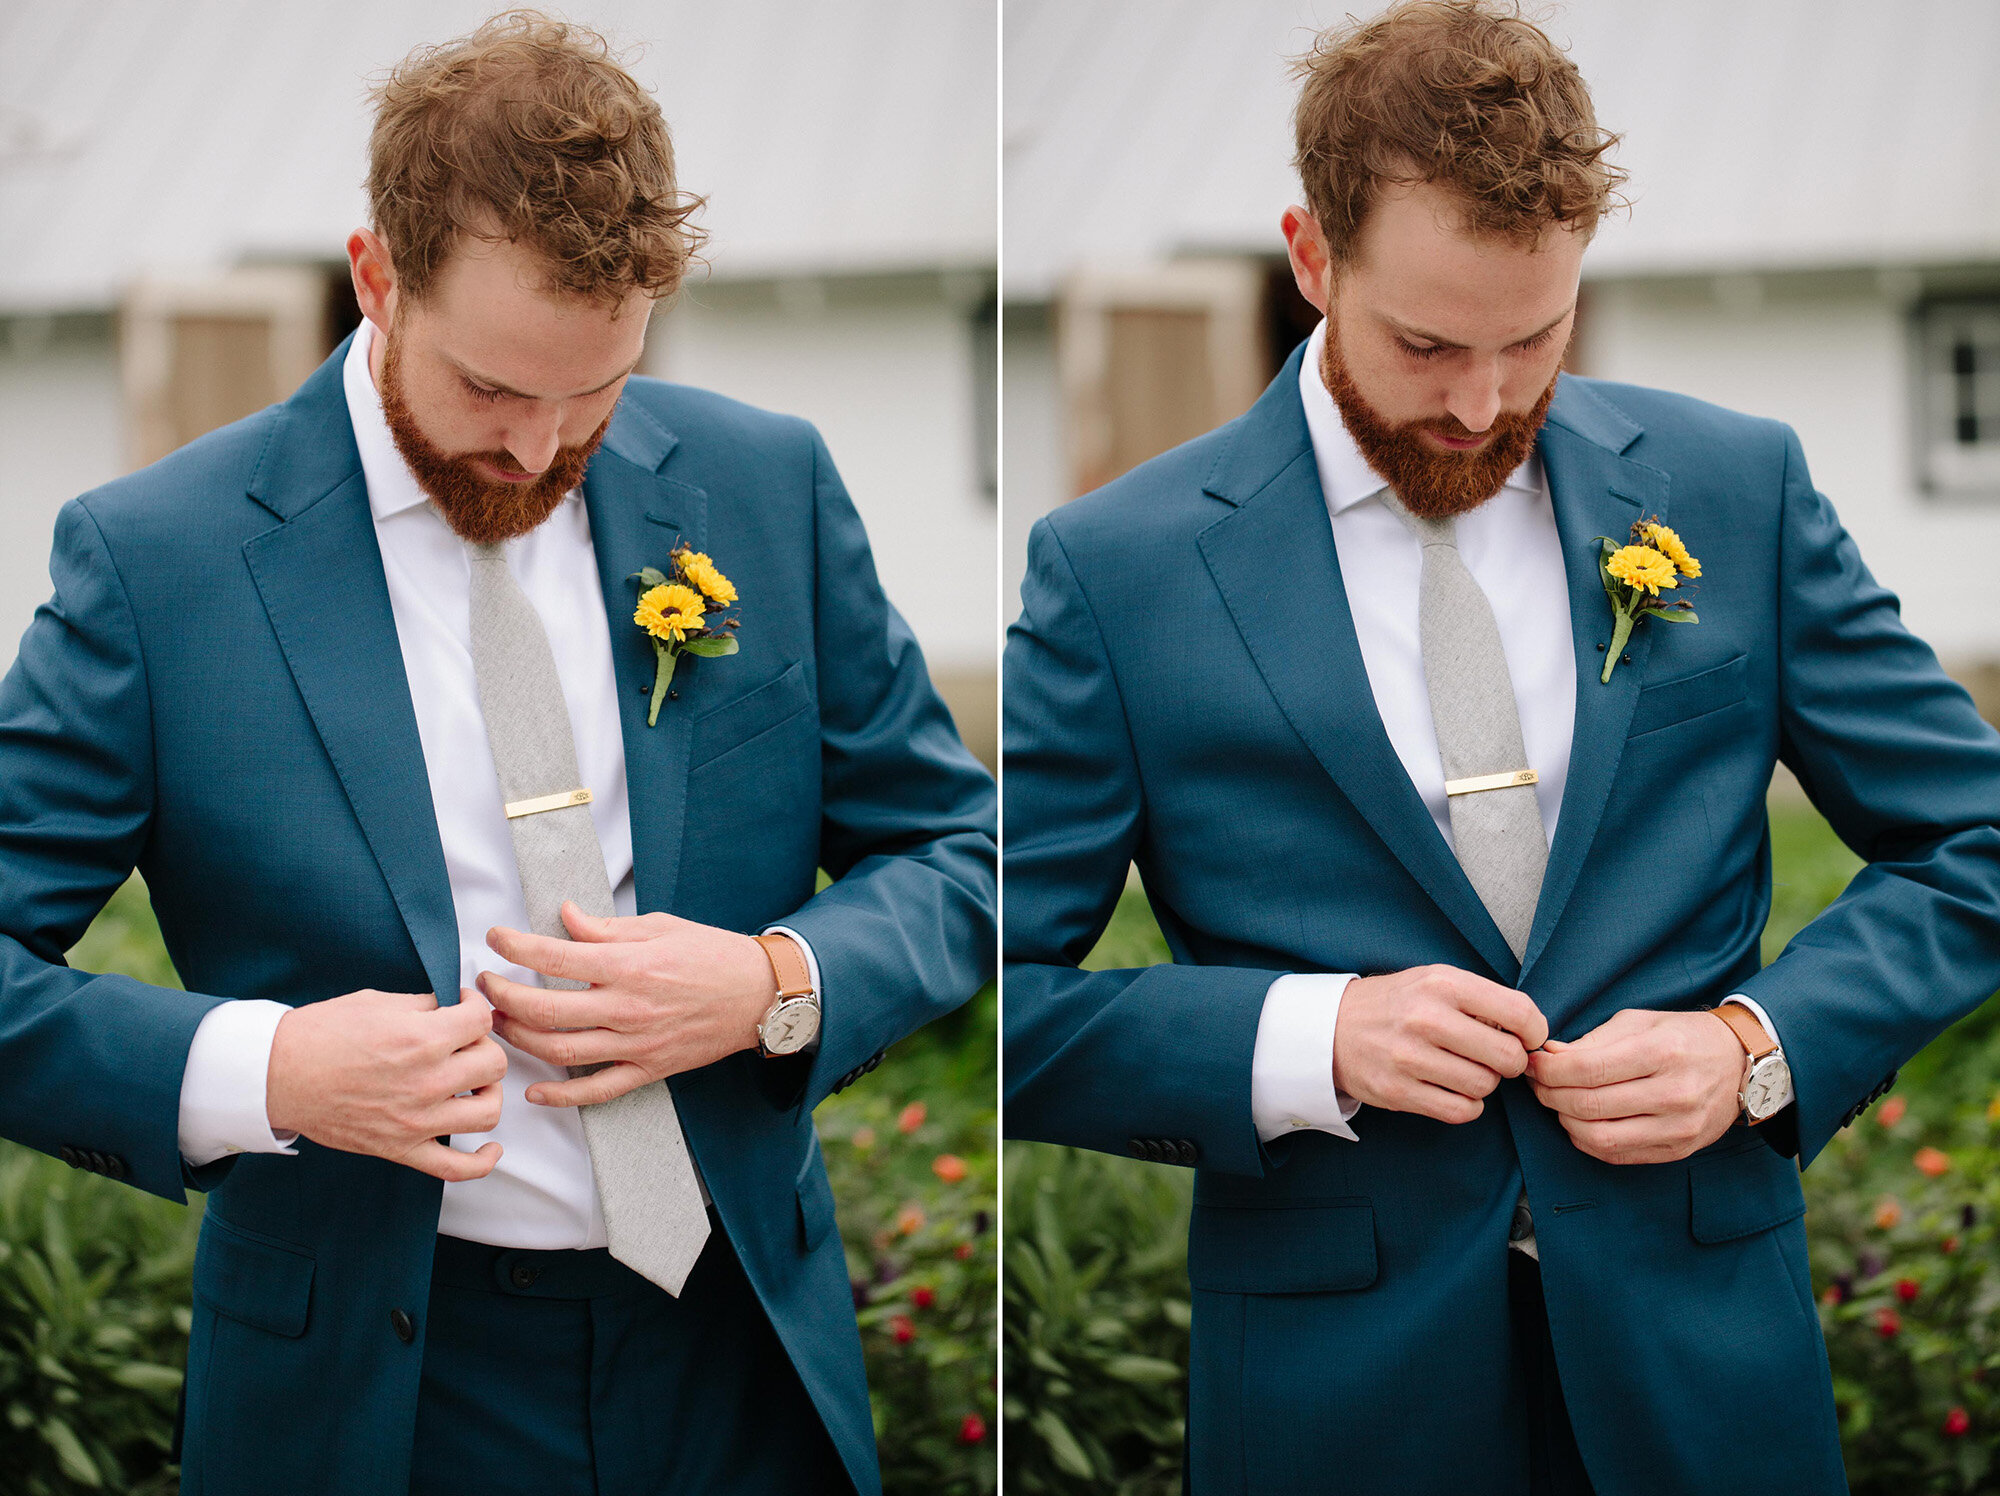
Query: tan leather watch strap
(1749, 1032)
(788, 965)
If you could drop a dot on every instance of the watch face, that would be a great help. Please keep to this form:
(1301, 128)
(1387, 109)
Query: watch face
(1768, 1089)
(790, 1026)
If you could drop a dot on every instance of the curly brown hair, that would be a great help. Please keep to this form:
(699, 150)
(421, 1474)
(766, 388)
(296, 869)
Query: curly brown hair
(1464, 93)
(528, 130)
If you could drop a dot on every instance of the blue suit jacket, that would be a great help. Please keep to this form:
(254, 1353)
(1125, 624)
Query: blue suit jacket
(216, 696)
(1184, 691)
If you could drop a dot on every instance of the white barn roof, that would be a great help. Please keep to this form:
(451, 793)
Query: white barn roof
(136, 136)
(1779, 134)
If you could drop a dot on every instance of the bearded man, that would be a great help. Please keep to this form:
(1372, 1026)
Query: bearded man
(1464, 878)
(454, 828)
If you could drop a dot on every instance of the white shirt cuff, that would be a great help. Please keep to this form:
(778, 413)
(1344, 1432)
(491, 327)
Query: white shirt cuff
(812, 975)
(1758, 1009)
(223, 1088)
(1291, 1069)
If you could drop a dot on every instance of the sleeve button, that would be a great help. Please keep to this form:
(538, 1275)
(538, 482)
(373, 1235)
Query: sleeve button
(403, 1325)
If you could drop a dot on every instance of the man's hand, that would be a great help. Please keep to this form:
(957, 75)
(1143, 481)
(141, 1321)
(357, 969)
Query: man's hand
(1644, 1087)
(1432, 1040)
(381, 1073)
(666, 995)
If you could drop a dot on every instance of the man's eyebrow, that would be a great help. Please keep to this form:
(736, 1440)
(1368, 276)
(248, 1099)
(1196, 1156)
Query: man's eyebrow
(494, 384)
(1431, 337)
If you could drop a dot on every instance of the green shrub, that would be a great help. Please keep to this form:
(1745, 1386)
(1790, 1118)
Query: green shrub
(96, 1277)
(1096, 1260)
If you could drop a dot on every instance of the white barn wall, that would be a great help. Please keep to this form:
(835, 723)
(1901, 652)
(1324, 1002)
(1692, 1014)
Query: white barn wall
(1032, 441)
(61, 434)
(890, 388)
(1833, 361)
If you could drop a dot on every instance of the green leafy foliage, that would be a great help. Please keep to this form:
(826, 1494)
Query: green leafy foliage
(96, 1277)
(1096, 1260)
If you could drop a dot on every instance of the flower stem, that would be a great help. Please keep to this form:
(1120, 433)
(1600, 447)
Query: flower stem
(1621, 630)
(661, 679)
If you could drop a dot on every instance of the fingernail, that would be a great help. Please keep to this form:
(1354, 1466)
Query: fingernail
(535, 1097)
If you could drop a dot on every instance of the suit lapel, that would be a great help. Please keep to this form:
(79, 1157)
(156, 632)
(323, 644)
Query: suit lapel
(1274, 561)
(1596, 490)
(637, 517)
(320, 576)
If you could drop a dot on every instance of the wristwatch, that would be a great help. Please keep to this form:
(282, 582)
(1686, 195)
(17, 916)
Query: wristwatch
(792, 1021)
(1767, 1079)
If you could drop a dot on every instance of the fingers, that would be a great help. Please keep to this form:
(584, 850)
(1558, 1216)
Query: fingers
(543, 1007)
(469, 1019)
(1443, 1104)
(588, 1090)
(434, 1158)
(479, 1112)
(586, 1046)
(482, 1063)
(1652, 1096)
(1513, 1011)
(1595, 1061)
(613, 927)
(1496, 1050)
(1634, 1140)
(572, 960)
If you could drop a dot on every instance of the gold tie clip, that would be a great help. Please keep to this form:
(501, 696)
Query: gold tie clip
(561, 800)
(1478, 782)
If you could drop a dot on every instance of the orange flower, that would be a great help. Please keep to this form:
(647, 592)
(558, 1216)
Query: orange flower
(1888, 1213)
(912, 1117)
(909, 1219)
(963, 1251)
(1932, 1162)
(949, 1167)
(1892, 1111)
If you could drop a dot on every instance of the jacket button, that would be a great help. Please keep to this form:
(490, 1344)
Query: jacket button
(1137, 1146)
(67, 1154)
(1189, 1153)
(1156, 1150)
(403, 1325)
(523, 1275)
(95, 1161)
(115, 1166)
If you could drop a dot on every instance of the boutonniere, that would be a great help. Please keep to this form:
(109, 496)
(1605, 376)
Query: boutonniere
(1634, 577)
(674, 608)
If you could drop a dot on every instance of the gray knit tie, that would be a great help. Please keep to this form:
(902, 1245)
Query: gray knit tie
(1497, 833)
(654, 1218)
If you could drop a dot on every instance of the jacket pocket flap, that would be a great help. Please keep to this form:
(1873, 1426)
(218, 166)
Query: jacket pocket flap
(735, 723)
(1672, 701)
(253, 1279)
(815, 1200)
(1326, 1247)
(1742, 1192)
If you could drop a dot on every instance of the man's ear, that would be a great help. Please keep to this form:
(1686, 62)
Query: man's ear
(1312, 263)
(374, 276)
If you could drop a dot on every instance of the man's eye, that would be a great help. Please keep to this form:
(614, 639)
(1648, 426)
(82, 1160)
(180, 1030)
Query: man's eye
(1430, 351)
(1539, 340)
(481, 393)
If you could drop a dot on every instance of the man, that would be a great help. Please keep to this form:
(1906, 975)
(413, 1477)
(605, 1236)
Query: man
(360, 684)
(1485, 1200)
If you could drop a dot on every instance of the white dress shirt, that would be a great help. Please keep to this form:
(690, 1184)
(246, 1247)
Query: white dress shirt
(1511, 547)
(541, 1195)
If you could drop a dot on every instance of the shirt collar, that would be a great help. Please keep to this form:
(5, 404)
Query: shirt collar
(1345, 477)
(392, 487)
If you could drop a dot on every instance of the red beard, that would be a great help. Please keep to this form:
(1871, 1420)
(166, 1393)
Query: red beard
(478, 509)
(1432, 483)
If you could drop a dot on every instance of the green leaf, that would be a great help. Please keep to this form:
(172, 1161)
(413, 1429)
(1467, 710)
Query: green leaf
(1063, 1447)
(77, 1465)
(1673, 615)
(1143, 1369)
(143, 1377)
(651, 577)
(661, 679)
(712, 649)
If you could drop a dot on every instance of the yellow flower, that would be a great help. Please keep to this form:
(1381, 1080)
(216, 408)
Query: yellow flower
(1642, 566)
(670, 612)
(698, 569)
(1669, 544)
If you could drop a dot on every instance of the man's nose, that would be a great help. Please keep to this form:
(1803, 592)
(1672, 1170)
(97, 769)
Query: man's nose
(1475, 398)
(533, 443)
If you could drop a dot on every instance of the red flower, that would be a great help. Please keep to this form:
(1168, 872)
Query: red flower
(1930, 1161)
(973, 1430)
(1888, 1323)
(905, 1329)
(912, 1117)
(1892, 1111)
(924, 1296)
(1906, 1290)
(963, 1251)
(1949, 1244)
(1956, 1422)
(949, 1167)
